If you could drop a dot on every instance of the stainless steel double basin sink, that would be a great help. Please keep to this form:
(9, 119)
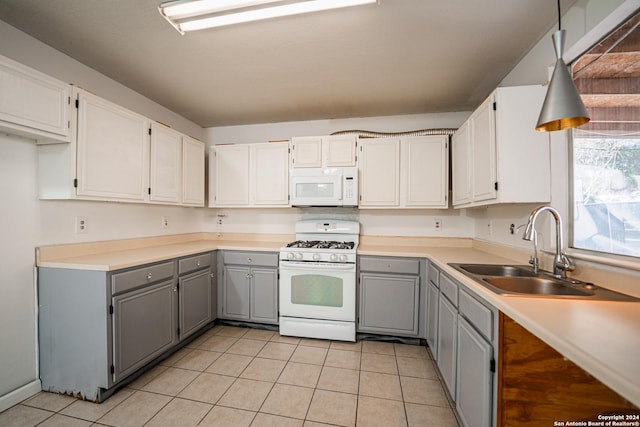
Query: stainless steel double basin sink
(520, 280)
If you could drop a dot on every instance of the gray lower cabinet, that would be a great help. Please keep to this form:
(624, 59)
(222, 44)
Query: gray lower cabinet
(447, 342)
(194, 284)
(144, 326)
(433, 294)
(466, 340)
(389, 295)
(97, 328)
(474, 377)
(249, 290)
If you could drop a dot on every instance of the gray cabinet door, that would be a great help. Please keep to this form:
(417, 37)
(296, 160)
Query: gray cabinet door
(389, 303)
(195, 302)
(264, 295)
(144, 325)
(474, 387)
(447, 343)
(432, 319)
(236, 293)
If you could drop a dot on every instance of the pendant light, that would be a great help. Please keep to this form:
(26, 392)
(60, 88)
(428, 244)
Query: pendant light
(562, 108)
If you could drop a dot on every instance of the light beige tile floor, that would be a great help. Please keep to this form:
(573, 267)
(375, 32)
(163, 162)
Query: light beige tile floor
(233, 376)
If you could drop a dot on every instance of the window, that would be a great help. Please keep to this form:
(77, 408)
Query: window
(606, 151)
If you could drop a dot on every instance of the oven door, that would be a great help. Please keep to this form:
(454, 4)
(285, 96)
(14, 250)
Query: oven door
(315, 189)
(318, 290)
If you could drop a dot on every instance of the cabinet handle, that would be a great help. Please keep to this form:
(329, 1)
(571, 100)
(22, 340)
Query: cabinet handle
(197, 263)
(148, 276)
(175, 289)
(249, 275)
(249, 260)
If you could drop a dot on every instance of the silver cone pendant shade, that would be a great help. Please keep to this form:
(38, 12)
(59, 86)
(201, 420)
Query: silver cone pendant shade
(562, 108)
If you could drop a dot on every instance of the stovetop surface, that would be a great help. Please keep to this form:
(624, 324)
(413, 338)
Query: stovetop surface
(321, 244)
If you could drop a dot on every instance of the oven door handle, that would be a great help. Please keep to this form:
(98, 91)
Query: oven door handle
(318, 267)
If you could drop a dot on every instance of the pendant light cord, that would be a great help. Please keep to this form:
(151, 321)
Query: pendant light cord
(559, 17)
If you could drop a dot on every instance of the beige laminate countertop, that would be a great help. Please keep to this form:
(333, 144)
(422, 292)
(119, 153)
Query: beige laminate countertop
(602, 337)
(119, 259)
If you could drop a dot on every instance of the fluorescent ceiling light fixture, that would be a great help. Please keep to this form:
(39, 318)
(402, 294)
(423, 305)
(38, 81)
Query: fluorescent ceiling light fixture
(200, 14)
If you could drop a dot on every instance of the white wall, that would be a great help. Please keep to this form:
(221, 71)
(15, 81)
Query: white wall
(27, 222)
(19, 234)
(373, 222)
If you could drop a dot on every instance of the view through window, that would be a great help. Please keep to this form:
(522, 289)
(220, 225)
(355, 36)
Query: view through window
(606, 151)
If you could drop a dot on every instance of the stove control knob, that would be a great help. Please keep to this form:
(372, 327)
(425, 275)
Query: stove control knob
(343, 258)
(298, 255)
(316, 257)
(290, 255)
(333, 257)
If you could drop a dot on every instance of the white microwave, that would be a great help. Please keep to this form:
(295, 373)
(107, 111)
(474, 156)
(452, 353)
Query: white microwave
(324, 187)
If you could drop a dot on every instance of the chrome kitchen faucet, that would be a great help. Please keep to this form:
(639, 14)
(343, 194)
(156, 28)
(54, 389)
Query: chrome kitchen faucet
(561, 262)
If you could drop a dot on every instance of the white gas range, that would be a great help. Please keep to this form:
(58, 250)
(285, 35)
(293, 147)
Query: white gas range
(318, 281)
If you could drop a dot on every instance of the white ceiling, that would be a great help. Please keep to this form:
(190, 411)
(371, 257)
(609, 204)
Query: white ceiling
(396, 57)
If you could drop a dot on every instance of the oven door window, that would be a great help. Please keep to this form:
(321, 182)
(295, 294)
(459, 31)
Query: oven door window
(317, 290)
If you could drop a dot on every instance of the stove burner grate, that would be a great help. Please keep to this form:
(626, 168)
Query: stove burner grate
(317, 244)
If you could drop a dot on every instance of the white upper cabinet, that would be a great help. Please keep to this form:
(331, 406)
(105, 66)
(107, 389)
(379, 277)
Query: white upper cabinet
(407, 172)
(249, 175)
(339, 150)
(177, 167)
(33, 104)
(498, 156)
(424, 171)
(270, 174)
(118, 155)
(460, 156)
(165, 167)
(323, 151)
(113, 151)
(306, 152)
(379, 168)
(231, 175)
(483, 153)
(192, 171)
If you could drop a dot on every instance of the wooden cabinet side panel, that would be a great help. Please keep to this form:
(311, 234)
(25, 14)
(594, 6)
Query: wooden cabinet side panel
(538, 386)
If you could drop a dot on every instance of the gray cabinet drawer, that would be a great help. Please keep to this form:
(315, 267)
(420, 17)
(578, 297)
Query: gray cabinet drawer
(478, 315)
(269, 259)
(449, 288)
(121, 282)
(193, 263)
(434, 275)
(390, 265)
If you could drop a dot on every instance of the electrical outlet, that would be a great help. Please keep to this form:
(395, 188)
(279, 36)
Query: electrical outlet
(82, 225)
(165, 222)
(489, 227)
(437, 224)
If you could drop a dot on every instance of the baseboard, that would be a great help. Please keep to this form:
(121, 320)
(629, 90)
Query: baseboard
(18, 395)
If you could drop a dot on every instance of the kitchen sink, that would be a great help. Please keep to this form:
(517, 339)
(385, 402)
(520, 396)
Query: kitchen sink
(497, 270)
(534, 286)
(520, 280)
